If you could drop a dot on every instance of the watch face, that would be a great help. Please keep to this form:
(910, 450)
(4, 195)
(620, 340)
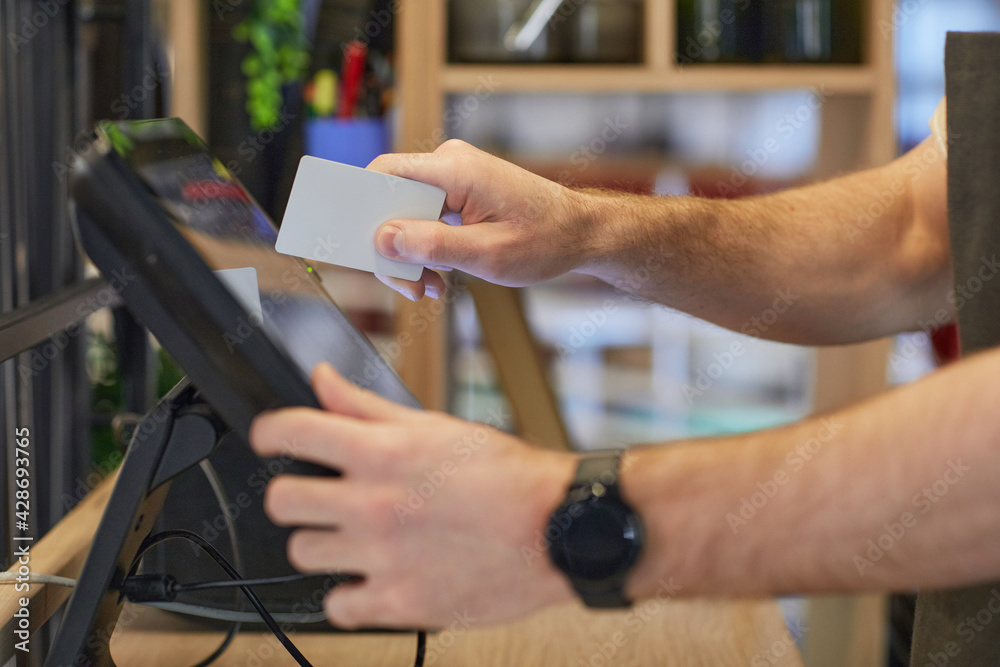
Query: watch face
(596, 539)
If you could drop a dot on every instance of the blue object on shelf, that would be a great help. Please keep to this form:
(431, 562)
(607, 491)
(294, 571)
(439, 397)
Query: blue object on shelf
(353, 141)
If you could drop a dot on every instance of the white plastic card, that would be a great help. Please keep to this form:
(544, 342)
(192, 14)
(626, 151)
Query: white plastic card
(335, 209)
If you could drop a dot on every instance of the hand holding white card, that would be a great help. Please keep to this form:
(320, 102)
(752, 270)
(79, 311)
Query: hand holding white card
(335, 209)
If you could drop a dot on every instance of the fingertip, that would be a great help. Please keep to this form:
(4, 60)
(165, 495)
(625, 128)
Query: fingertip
(258, 431)
(379, 160)
(408, 289)
(323, 373)
(325, 381)
(390, 241)
(434, 285)
(336, 608)
(273, 499)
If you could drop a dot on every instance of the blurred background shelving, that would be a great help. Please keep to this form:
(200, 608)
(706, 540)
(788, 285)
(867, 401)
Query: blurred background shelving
(660, 124)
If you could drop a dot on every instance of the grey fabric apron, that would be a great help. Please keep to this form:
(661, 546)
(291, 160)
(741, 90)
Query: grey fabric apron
(962, 626)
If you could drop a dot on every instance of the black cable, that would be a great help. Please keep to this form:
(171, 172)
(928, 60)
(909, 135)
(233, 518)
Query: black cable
(205, 546)
(223, 646)
(219, 491)
(243, 584)
(421, 648)
(231, 583)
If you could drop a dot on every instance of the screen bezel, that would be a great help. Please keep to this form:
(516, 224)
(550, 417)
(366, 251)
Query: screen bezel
(178, 297)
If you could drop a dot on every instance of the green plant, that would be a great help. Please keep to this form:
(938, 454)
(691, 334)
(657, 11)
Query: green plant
(279, 56)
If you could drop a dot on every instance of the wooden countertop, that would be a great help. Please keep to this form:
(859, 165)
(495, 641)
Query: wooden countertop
(685, 633)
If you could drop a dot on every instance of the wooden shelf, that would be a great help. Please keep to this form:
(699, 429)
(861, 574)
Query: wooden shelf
(836, 79)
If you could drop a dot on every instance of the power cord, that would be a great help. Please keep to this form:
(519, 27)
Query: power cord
(219, 491)
(421, 648)
(143, 588)
(153, 588)
(217, 556)
(220, 495)
(227, 640)
(12, 577)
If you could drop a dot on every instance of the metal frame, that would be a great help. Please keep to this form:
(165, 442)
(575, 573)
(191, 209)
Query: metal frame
(182, 431)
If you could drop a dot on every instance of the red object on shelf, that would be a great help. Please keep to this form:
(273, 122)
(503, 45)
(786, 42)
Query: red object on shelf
(355, 54)
(947, 345)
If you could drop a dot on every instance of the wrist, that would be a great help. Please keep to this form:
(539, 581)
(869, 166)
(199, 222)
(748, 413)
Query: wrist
(637, 583)
(554, 476)
(642, 488)
(594, 219)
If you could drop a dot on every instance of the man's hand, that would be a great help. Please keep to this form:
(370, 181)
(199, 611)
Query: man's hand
(440, 516)
(516, 228)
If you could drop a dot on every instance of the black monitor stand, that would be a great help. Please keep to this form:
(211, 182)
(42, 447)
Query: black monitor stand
(176, 435)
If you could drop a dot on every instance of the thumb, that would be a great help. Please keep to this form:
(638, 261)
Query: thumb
(341, 396)
(439, 245)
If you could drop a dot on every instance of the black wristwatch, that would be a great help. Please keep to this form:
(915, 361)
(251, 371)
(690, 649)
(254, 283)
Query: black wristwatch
(594, 536)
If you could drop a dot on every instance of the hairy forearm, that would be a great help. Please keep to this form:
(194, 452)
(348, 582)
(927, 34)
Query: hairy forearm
(850, 259)
(892, 494)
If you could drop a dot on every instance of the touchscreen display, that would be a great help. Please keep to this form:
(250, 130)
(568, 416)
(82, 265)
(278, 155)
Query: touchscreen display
(282, 295)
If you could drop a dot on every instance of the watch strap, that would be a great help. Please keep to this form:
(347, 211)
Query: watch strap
(599, 466)
(602, 466)
(606, 599)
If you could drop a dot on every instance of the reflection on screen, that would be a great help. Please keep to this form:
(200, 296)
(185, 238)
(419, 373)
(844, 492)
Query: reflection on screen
(230, 231)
